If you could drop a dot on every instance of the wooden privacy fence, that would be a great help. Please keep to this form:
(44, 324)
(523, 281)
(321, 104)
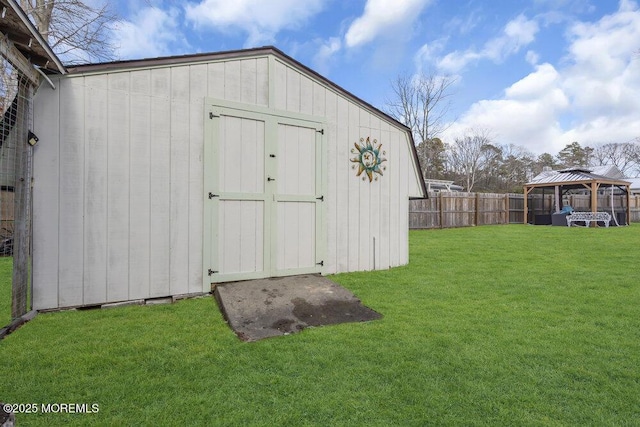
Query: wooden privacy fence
(450, 209)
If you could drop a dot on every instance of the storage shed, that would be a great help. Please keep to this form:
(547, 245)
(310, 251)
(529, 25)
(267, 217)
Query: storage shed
(161, 177)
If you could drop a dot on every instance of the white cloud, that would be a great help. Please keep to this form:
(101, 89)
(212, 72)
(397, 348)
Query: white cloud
(602, 130)
(532, 57)
(325, 54)
(383, 16)
(150, 32)
(385, 20)
(592, 98)
(604, 72)
(535, 85)
(464, 25)
(628, 6)
(427, 53)
(454, 62)
(603, 77)
(260, 19)
(517, 33)
(526, 116)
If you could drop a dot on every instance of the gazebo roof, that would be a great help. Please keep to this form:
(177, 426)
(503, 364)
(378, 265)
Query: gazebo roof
(576, 177)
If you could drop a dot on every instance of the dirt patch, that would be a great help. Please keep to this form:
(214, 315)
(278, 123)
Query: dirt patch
(332, 311)
(263, 308)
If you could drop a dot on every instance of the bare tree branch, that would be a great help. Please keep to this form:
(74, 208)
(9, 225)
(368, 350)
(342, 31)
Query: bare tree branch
(468, 155)
(76, 31)
(624, 156)
(422, 102)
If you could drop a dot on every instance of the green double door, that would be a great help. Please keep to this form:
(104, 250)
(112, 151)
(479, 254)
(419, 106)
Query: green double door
(264, 201)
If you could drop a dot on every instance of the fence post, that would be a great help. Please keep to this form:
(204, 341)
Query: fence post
(507, 220)
(440, 209)
(22, 230)
(477, 214)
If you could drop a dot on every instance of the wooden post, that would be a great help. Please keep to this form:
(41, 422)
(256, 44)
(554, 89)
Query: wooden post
(17, 59)
(440, 210)
(594, 197)
(629, 204)
(22, 229)
(477, 215)
(526, 204)
(507, 219)
(594, 200)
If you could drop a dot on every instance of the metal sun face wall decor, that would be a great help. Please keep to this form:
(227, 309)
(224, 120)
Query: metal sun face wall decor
(369, 158)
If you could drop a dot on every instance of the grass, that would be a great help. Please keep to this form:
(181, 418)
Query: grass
(6, 269)
(495, 325)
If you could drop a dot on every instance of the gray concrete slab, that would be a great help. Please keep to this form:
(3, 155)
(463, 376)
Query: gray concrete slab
(257, 309)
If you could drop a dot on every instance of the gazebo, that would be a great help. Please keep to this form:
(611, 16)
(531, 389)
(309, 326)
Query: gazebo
(565, 180)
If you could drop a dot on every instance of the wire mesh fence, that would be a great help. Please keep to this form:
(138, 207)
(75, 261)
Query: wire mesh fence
(15, 179)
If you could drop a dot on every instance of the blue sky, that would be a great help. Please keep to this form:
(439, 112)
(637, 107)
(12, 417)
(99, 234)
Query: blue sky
(539, 74)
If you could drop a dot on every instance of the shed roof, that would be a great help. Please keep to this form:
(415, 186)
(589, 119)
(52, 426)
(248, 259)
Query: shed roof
(242, 53)
(16, 26)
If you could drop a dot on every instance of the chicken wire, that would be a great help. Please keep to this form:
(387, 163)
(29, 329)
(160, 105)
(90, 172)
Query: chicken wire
(15, 179)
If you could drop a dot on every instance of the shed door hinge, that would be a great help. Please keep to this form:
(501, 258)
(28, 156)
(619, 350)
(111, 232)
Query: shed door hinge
(321, 263)
(210, 272)
(211, 195)
(321, 131)
(321, 198)
(212, 115)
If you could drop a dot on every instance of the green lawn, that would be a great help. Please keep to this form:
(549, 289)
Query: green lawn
(6, 269)
(496, 325)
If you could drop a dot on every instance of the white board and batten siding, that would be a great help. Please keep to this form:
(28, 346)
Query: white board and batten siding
(357, 211)
(123, 174)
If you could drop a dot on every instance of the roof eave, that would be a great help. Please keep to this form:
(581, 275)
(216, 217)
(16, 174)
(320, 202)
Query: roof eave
(29, 49)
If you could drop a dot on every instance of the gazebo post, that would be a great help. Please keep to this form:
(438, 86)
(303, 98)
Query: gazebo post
(526, 204)
(594, 199)
(628, 219)
(557, 196)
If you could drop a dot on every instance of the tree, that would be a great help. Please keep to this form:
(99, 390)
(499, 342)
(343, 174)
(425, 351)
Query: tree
(488, 176)
(432, 154)
(469, 154)
(636, 169)
(574, 155)
(75, 30)
(421, 102)
(516, 168)
(544, 160)
(625, 156)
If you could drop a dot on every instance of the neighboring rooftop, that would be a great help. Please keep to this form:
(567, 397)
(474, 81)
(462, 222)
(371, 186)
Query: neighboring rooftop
(442, 185)
(635, 184)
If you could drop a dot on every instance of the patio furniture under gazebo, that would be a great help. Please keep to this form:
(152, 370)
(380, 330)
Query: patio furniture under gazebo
(565, 180)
